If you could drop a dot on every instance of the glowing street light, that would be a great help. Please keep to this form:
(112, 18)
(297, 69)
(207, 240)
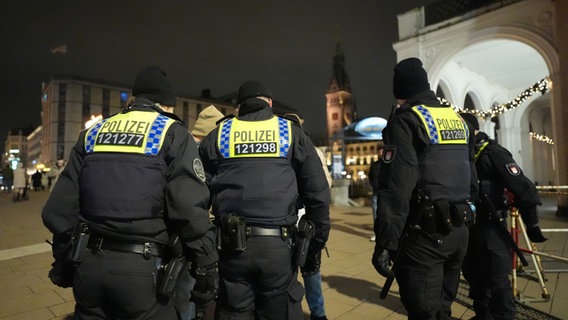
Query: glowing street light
(94, 119)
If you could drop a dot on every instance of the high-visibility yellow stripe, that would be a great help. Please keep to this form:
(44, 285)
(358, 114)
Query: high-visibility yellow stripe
(444, 126)
(244, 139)
(131, 132)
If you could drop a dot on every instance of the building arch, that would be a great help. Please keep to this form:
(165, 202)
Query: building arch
(536, 24)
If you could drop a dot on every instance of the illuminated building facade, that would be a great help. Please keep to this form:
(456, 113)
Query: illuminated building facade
(16, 147)
(68, 102)
(34, 148)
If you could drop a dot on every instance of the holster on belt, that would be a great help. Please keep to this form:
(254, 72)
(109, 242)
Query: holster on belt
(435, 217)
(79, 242)
(231, 233)
(174, 263)
(306, 231)
(461, 213)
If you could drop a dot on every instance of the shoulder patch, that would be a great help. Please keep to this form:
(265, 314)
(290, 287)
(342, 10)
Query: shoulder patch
(513, 169)
(198, 169)
(389, 152)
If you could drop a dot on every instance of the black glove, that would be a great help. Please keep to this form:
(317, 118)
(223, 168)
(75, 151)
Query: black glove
(313, 261)
(206, 285)
(61, 273)
(382, 262)
(535, 234)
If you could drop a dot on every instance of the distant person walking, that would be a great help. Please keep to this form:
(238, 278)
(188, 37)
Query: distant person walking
(7, 179)
(20, 179)
(44, 181)
(36, 180)
(54, 172)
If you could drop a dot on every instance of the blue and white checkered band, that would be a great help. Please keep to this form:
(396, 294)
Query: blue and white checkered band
(466, 127)
(155, 135)
(224, 139)
(432, 132)
(92, 136)
(284, 137)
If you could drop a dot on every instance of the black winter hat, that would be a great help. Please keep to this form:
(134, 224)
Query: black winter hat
(152, 83)
(471, 119)
(251, 89)
(409, 78)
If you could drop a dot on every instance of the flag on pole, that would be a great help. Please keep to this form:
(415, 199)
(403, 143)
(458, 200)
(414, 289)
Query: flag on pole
(59, 49)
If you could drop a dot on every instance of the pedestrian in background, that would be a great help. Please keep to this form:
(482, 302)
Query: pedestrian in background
(488, 263)
(206, 122)
(425, 183)
(20, 183)
(312, 278)
(143, 203)
(36, 180)
(54, 172)
(7, 179)
(44, 181)
(374, 181)
(260, 164)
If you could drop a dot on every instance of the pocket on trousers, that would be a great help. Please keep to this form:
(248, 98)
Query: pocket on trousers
(296, 293)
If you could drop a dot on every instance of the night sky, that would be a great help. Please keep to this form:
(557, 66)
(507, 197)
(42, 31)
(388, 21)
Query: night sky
(211, 44)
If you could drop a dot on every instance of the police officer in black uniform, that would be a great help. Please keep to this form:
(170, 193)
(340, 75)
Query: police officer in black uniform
(488, 261)
(260, 164)
(425, 183)
(134, 191)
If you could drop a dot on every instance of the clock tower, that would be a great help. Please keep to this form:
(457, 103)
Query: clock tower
(340, 107)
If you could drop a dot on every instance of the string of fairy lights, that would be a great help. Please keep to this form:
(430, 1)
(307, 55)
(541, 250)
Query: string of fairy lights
(541, 137)
(541, 86)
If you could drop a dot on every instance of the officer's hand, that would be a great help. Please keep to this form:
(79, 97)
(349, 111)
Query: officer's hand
(61, 273)
(535, 234)
(382, 262)
(313, 261)
(206, 285)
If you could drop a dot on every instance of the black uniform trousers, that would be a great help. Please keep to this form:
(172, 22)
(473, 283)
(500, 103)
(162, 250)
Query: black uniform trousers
(486, 268)
(428, 276)
(260, 283)
(119, 285)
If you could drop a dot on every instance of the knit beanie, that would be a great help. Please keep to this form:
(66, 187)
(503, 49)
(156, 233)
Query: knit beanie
(152, 83)
(409, 78)
(471, 119)
(251, 89)
(206, 121)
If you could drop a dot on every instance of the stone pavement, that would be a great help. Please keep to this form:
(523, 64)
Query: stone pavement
(351, 285)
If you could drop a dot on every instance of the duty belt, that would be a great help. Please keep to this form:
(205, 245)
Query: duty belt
(146, 249)
(256, 231)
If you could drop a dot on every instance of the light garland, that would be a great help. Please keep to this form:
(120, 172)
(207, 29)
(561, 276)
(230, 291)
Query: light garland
(541, 86)
(541, 137)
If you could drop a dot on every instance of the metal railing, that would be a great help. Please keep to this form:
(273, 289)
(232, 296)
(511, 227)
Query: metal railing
(447, 9)
(553, 190)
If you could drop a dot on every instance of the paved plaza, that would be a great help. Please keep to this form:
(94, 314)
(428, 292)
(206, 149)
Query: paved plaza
(351, 285)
